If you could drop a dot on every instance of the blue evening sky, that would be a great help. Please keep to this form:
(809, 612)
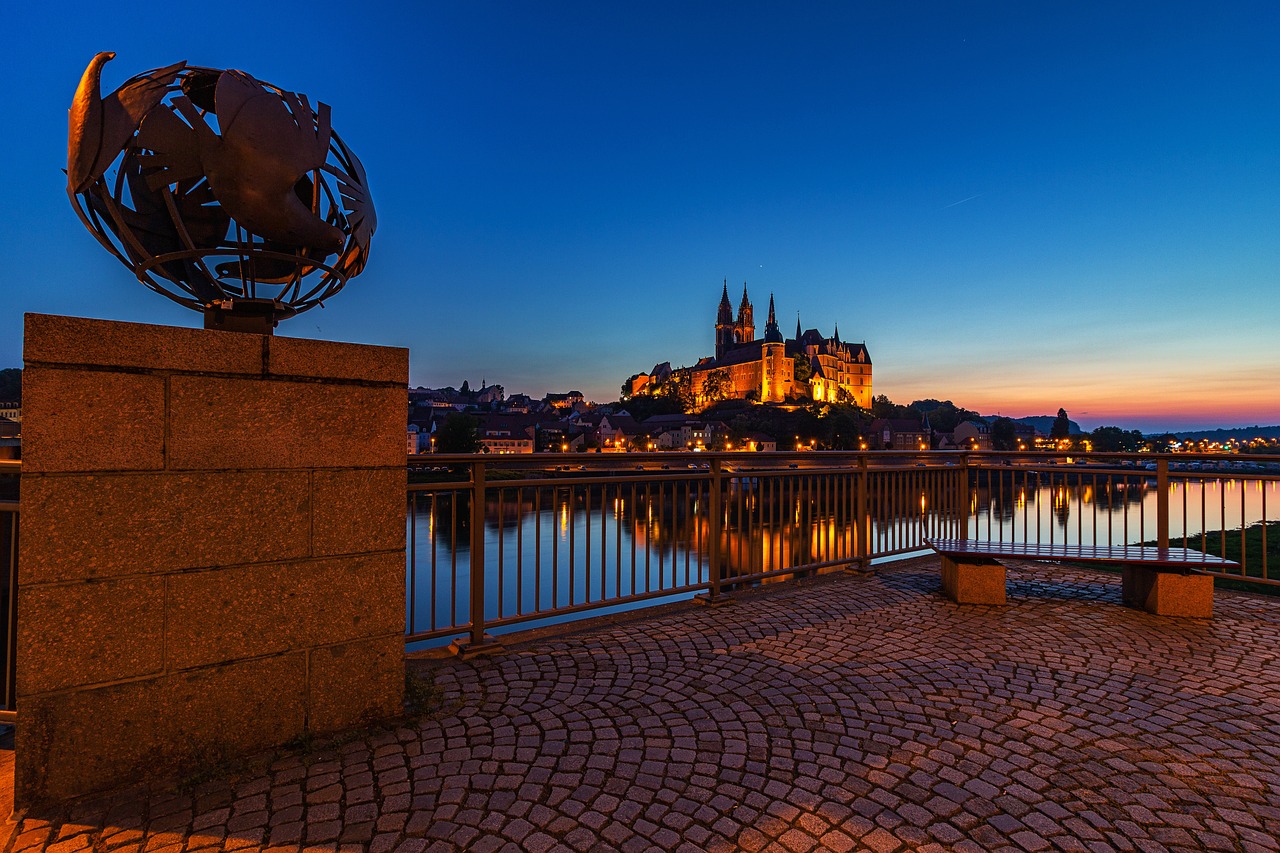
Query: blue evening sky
(1018, 206)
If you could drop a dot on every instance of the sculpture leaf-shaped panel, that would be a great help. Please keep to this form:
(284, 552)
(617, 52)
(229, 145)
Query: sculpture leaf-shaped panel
(224, 193)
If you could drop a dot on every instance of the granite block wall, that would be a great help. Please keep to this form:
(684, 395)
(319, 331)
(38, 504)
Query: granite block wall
(212, 547)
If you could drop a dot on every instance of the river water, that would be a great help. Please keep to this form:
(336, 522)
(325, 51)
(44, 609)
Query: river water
(574, 548)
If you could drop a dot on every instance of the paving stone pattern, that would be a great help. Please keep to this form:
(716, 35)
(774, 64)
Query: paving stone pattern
(842, 713)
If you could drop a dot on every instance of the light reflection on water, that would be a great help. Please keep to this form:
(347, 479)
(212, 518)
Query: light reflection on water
(558, 553)
(1117, 513)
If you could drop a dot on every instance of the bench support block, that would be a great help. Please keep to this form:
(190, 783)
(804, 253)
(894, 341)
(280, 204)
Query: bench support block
(1168, 593)
(972, 580)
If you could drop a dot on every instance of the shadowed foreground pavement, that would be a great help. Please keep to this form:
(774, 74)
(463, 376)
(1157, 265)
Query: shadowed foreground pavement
(840, 713)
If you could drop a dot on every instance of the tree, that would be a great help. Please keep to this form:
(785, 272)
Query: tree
(785, 427)
(1004, 434)
(1110, 439)
(644, 406)
(11, 385)
(842, 427)
(465, 389)
(883, 407)
(460, 433)
(716, 386)
(1061, 425)
(679, 388)
(945, 416)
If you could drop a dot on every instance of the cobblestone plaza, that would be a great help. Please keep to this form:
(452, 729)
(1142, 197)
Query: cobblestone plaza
(838, 713)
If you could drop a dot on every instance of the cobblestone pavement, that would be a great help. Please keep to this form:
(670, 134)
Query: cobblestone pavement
(842, 713)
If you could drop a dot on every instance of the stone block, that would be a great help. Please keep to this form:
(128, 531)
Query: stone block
(172, 611)
(246, 611)
(241, 423)
(79, 420)
(973, 580)
(356, 683)
(81, 527)
(1166, 593)
(95, 739)
(300, 357)
(49, 339)
(86, 633)
(356, 511)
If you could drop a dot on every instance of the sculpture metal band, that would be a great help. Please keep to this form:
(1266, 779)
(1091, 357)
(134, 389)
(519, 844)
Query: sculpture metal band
(226, 194)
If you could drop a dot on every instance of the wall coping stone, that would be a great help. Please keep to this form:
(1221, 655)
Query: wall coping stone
(85, 342)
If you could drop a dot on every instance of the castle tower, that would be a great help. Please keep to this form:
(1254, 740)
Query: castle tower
(745, 330)
(724, 323)
(777, 371)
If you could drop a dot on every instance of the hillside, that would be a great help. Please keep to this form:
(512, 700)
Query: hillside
(1224, 434)
(1043, 423)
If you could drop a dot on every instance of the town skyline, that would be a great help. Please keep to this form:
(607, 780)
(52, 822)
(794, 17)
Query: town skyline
(1017, 208)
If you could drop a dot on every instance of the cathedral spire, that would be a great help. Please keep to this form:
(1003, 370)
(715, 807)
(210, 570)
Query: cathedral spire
(725, 314)
(771, 333)
(798, 332)
(836, 337)
(745, 329)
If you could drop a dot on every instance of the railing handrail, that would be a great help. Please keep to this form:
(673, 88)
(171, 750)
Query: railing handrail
(595, 457)
(695, 518)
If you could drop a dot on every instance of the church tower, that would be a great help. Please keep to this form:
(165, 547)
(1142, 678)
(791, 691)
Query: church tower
(745, 330)
(772, 335)
(724, 323)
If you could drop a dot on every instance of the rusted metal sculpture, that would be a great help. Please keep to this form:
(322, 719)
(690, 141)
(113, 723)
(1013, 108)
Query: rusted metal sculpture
(226, 194)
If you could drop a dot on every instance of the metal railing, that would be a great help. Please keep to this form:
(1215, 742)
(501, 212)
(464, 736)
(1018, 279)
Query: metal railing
(1217, 504)
(562, 534)
(506, 542)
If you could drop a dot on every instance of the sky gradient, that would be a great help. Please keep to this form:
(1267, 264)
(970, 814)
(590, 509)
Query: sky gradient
(1018, 206)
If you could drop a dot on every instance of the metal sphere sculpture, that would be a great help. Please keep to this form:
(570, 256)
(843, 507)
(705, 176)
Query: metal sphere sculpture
(226, 194)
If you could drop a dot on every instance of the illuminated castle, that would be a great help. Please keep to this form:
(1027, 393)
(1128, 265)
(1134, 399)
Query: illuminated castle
(769, 369)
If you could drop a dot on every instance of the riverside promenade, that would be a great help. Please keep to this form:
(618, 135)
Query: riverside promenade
(837, 713)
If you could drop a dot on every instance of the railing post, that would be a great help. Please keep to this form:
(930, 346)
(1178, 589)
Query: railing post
(477, 552)
(715, 529)
(1162, 503)
(962, 498)
(477, 642)
(862, 543)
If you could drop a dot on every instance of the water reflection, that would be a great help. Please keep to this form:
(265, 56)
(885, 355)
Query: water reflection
(572, 545)
(1112, 510)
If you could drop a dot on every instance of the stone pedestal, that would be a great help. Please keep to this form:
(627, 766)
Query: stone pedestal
(973, 580)
(212, 548)
(1168, 593)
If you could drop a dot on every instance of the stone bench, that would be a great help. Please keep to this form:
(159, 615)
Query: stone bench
(1164, 581)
